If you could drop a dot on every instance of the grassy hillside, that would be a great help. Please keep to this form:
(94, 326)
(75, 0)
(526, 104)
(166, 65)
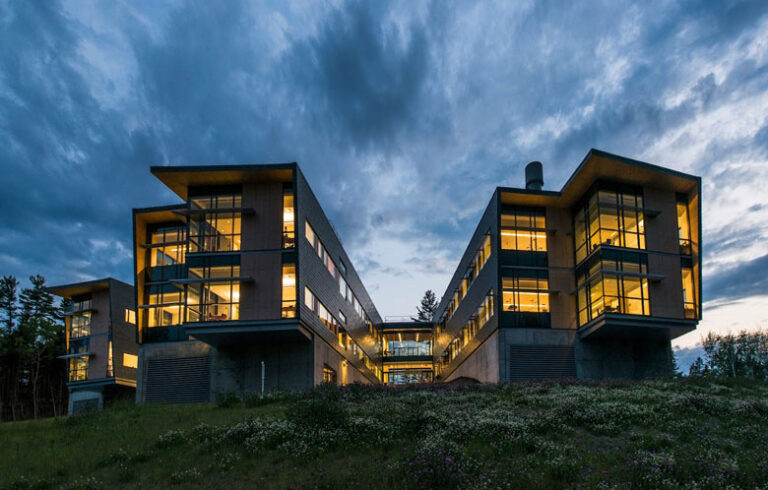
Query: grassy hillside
(655, 434)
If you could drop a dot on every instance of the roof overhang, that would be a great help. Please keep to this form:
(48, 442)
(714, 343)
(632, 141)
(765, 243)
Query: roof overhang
(78, 288)
(179, 178)
(622, 327)
(601, 165)
(248, 332)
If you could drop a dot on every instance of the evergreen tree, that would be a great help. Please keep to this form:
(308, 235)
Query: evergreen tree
(426, 310)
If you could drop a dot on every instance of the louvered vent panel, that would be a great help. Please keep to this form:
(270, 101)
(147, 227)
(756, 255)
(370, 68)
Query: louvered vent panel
(541, 362)
(178, 380)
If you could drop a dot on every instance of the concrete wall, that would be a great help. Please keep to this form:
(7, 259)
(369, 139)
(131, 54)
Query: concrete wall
(83, 400)
(483, 364)
(560, 260)
(287, 366)
(163, 351)
(346, 372)
(623, 359)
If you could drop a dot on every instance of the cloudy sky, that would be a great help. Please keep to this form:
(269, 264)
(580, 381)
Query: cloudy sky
(403, 115)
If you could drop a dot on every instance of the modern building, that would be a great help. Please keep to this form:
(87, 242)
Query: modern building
(407, 352)
(592, 281)
(243, 285)
(102, 353)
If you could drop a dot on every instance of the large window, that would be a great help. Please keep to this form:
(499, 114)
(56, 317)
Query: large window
(80, 325)
(78, 365)
(214, 224)
(613, 282)
(527, 291)
(407, 344)
(78, 368)
(289, 224)
(524, 229)
(288, 309)
(164, 306)
(690, 305)
(80, 322)
(217, 301)
(609, 217)
(683, 225)
(167, 246)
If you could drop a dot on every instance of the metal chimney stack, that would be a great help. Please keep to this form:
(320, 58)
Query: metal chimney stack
(534, 176)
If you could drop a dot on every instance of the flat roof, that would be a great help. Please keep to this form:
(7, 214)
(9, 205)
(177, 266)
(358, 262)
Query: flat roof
(179, 177)
(597, 165)
(78, 288)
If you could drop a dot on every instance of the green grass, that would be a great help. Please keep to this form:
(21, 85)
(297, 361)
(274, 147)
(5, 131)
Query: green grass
(653, 434)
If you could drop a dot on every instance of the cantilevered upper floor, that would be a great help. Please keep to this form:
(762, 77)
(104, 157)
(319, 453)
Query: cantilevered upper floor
(248, 256)
(99, 327)
(615, 254)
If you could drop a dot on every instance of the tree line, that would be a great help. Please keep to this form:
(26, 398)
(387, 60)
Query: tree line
(33, 380)
(744, 355)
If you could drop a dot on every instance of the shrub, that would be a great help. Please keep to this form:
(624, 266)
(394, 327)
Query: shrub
(324, 412)
(443, 467)
(227, 399)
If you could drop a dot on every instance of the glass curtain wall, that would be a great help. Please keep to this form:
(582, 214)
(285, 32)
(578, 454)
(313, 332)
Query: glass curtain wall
(612, 282)
(609, 217)
(215, 222)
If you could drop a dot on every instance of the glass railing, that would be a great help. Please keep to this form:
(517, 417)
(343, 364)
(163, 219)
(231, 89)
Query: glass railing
(408, 351)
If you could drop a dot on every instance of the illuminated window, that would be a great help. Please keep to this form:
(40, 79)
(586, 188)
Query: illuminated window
(216, 298)
(215, 222)
(289, 224)
(130, 316)
(78, 368)
(130, 360)
(217, 301)
(526, 291)
(473, 270)
(110, 369)
(78, 365)
(329, 375)
(689, 294)
(322, 253)
(167, 246)
(163, 309)
(683, 225)
(80, 325)
(609, 218)
(612, 282)
(319, 309)
(524, 229)
(525, 298)
(407, 344)
(289, 291)
(483, 314)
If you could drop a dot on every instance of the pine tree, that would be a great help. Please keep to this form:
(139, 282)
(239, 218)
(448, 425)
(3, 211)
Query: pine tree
(39, 330)
(426, 310)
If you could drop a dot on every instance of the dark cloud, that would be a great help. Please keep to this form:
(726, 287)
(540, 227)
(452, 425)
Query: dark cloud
(748, 278)
(404, 117)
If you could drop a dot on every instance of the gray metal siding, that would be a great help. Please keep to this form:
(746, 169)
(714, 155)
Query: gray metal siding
(178, 380)
(312, 273)
(540, 362)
